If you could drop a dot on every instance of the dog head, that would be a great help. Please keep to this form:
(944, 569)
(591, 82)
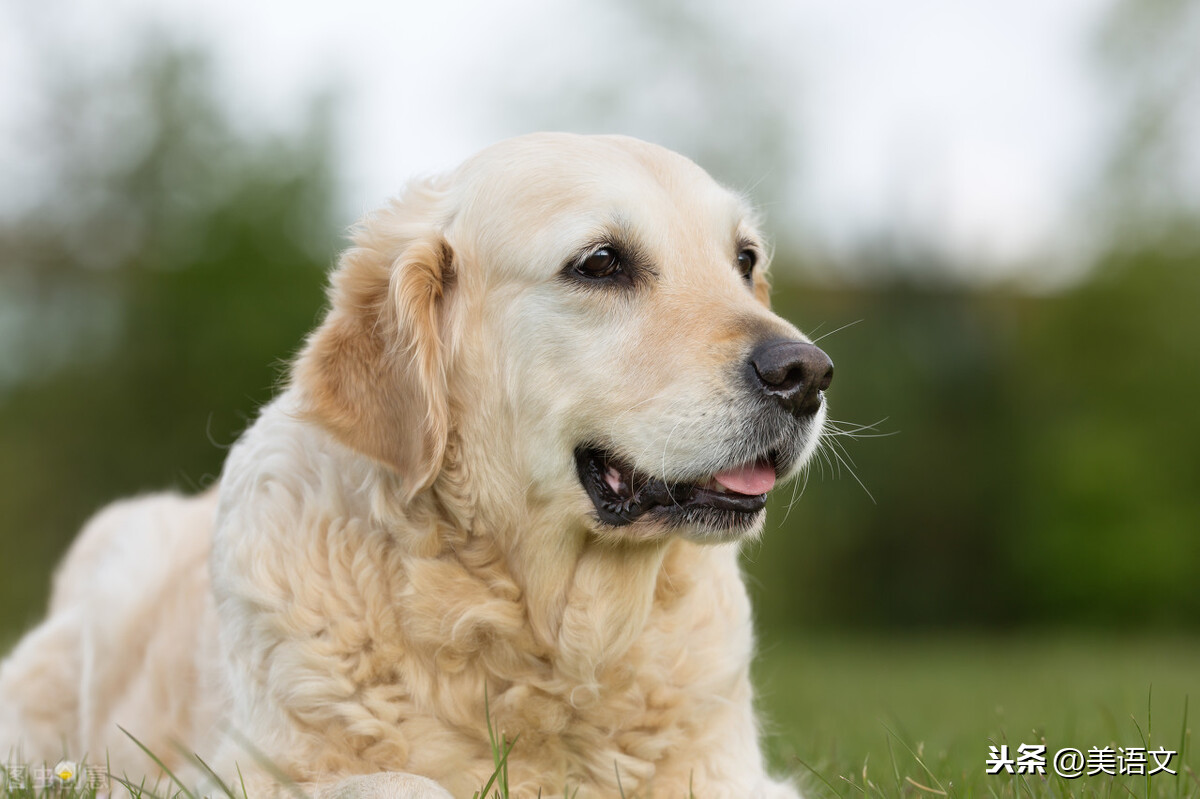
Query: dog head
(587, 319)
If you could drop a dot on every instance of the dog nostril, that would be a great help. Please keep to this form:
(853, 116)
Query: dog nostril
(826, 376)
(793, 373)
(780, 377)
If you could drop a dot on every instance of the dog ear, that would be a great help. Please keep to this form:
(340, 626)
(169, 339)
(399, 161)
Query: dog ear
(373, 373)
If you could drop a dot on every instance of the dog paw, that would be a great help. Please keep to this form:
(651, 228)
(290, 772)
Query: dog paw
(387, 785)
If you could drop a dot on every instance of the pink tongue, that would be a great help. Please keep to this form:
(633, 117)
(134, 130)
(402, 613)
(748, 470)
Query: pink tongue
(752, 479)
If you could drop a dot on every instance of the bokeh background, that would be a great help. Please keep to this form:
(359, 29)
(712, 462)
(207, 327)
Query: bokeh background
(989, 214)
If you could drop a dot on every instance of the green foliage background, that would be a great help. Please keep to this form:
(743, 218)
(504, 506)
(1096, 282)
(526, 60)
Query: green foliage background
(1039, 464)
(155, 302)
(1043, 468)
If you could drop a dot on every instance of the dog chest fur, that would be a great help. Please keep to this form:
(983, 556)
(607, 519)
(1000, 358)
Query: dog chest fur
(373, 651)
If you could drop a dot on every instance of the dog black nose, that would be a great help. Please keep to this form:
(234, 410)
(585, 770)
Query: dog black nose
(793, 373)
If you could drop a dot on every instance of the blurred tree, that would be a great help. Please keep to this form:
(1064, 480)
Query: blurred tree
(1043, 466)
(1108, 514)
(148, 302)
(1151, 67)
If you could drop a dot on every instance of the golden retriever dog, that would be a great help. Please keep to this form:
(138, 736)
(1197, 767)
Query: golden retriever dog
(506, 482)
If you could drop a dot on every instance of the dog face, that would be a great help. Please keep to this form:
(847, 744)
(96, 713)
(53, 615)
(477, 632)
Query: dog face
(588, 317)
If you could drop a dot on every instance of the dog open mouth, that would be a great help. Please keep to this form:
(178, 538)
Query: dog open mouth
(729, 498)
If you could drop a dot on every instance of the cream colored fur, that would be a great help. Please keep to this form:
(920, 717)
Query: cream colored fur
(402, 532)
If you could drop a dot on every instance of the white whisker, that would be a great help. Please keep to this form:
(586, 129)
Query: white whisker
(856, 430)
(850, 469)
(838, 330)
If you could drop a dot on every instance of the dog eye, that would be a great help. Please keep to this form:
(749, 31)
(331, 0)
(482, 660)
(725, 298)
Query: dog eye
(746, 261)
(604, 262)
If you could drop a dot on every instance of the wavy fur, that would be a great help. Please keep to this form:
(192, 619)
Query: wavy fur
(401, 532)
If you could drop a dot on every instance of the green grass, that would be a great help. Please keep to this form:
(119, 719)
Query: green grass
(914, 716)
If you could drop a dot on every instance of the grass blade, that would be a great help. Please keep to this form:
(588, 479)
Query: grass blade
(159, 763)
